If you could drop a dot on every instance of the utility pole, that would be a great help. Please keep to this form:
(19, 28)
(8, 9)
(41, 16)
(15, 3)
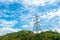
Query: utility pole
(36, 27)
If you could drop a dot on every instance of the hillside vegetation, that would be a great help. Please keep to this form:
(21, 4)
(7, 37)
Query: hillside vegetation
(29, 35)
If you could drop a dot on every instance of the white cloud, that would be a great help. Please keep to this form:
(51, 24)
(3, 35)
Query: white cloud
(6, 30)
(10, 29)
(6, 27)
(6, 23)
(6, 0)
(27, 27)
(38, 2)
(31, 24)
(10, 0)
(51, 14)
(56, 28)
(5, 13)
(44, 16)
(26, 17)
(24, 26)
(51, 1)
(58, 12)
(59, 22)
(28, 2)
(2, 0)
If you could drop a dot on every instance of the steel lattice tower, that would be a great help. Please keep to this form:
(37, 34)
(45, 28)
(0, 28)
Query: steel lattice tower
(36, 27)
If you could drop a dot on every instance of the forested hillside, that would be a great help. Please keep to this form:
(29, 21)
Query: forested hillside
(29, 35)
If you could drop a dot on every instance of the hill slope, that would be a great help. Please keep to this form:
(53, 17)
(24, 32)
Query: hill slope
(29, 35)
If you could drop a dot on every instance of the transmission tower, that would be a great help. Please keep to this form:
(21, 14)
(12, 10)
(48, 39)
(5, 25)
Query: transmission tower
(36, 27)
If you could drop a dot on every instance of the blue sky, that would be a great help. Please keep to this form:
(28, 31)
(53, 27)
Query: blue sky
(16, 15)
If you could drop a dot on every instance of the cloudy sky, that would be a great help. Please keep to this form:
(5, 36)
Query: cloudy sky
(16, 15)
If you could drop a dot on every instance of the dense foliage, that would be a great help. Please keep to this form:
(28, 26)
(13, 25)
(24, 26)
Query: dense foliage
(29, 35)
